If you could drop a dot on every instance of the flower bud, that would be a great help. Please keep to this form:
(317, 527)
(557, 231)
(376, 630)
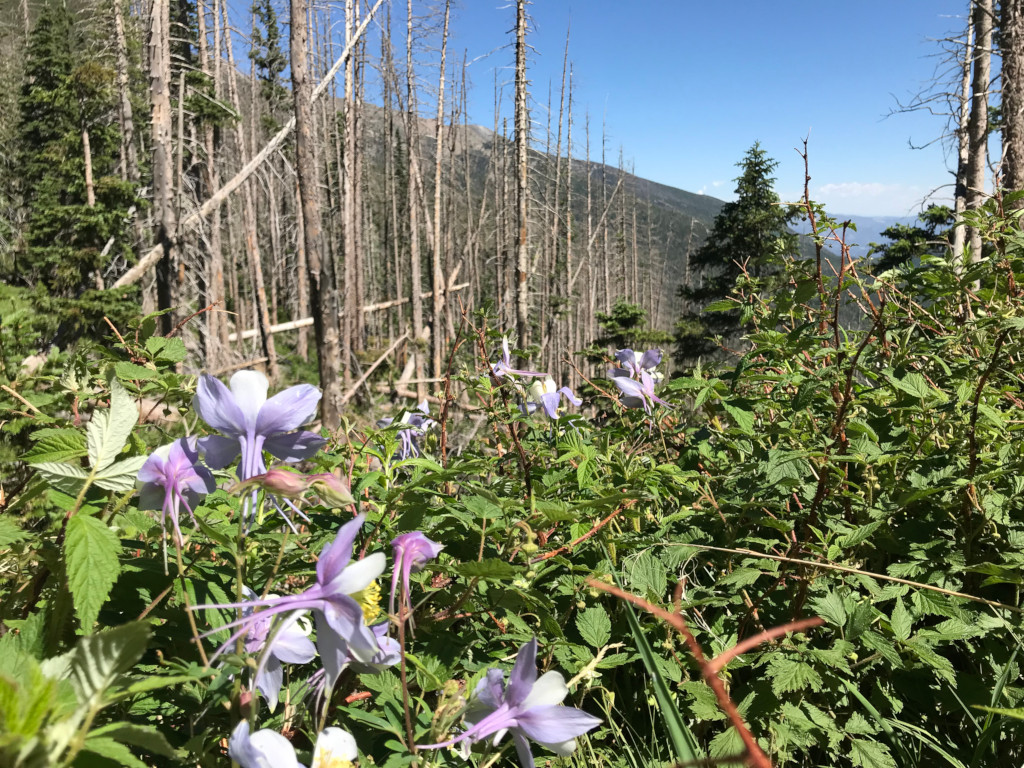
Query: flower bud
(332, 489)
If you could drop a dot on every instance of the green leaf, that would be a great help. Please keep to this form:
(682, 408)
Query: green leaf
(132, 371)
(11, 532)
(109, 749)
(91, 550)
(121, 475)
(99, 660)
(145, 736)
(870, 754)
(647, 573)
(743, 418)
(594, 625)
(56, 445)
(109, 429)
(64, 477)
(482, 507)
(789, 674)
(489, 568)
(902, 622)
(830, 607)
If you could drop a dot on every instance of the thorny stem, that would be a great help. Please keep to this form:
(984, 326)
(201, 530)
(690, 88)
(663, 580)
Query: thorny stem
(755, 756)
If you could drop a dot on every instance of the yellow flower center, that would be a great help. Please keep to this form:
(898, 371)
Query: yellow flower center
(369, 601)
(325, 759)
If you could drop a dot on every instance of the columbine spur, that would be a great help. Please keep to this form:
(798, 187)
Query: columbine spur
(528, 707)
(412, 551)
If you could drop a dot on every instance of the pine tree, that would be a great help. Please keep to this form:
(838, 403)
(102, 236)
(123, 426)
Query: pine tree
(909, 242)
(74, 205)
(749, 235)
(269, 61)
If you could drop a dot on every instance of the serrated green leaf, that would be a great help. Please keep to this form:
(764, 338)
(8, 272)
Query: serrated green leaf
(901, 621)
(482, 508)
(830, 607)
(789, 674)
(11, 532)
(133, 371)
(121, 475)
(64, 477)
(91, 551)
(109, 429)
(870, 754)
(647, 573)
(594, 625)
(56, 445)
(743, 418)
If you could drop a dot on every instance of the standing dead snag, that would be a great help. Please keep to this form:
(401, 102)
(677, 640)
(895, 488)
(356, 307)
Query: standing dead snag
(322, 288)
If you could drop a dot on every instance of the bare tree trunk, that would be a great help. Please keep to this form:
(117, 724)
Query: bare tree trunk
(522, 142)
(978, 127)
(437, 268)
(252, 246)
(90, 189)
(301, 276)
(415, 268)
(323, 291)
(163, 174)
(1012, 30)
(963, 144)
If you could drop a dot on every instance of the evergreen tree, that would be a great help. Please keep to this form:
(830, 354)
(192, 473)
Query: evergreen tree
(749, 234)
(909, 242)
(269, 61)
(74, 207)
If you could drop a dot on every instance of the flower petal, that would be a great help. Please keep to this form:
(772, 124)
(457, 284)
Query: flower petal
(523, 675)
(294, 446)
(523, 749)
(345, 617)
(651, 359)
(548, 691)
(334, 744)
(491, 688)
(219, 451)
(550, 402)
(335, 556)
(333, 648)
(218, 407)
(571, 396)
(264, 749)
(562, 748)
(249, 389)
(287, 410)
(552, 725)
(357, 576)
(269, 679)
(292, 646)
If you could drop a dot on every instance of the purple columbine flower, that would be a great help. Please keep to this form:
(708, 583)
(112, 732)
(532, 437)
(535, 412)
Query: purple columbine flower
(334, 748)
(252, 423)
(416, 425)
(637, 394)
(650, 360)
(341, 631)
(171, 478)
(529, 707)
(412, 551)
(504, 366)
(289, 645)
(546, 394)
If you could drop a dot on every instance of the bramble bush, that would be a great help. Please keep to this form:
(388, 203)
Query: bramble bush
(862, 480)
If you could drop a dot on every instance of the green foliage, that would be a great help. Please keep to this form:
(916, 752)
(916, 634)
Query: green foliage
(746, 243)
(867, 475)
(908, 243)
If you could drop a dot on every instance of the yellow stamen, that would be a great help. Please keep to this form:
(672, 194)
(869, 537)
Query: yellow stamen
(325, 759)
(369, 601)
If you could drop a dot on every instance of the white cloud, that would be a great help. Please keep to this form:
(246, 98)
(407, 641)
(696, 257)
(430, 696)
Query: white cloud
(871, 198)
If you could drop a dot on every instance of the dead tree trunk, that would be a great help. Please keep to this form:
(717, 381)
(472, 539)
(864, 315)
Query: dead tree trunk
(1012, 31)
(323, 289)
(978, 127)
(522, 141)
(163, 171)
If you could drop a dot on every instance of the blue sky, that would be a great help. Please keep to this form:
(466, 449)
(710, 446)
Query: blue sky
(685, 88)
